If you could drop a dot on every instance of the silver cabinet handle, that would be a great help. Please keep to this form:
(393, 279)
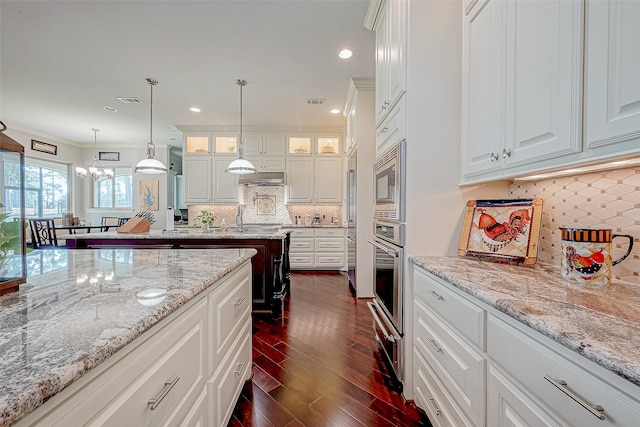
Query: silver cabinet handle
(494, 157)
(505, 153)
(432, 403)
(384, 129)
(436, 295)
(168, 385)
(237, 372)
(435, 345)
(386, 334)
(596, 410)
(239, 302)
(383, 248)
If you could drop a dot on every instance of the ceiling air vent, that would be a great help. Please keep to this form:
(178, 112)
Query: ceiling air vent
(315, 101)
(129, 100)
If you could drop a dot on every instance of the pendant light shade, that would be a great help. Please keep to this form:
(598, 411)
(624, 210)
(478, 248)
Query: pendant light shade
(151, 165)
(241, 165)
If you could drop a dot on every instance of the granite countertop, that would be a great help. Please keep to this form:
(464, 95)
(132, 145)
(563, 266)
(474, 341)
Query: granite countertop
(70, 319)
(601, 323)
(314, 226)
(184, 233)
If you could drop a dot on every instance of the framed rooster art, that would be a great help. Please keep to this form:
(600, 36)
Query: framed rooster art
(502, 230)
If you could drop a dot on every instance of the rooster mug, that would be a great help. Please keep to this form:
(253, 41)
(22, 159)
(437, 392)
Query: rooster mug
(586, 254)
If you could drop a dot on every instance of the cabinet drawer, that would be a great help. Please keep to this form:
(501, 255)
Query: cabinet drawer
(391, 130)
(329, 245)
(224, 388)
(463, 315)
(301, 260)
(532, 363)
(301, 232)
(429, 395)
(329, 260)
(460, 367)
(303, 244)
(229, 306)
(122, 399)
(329, 232)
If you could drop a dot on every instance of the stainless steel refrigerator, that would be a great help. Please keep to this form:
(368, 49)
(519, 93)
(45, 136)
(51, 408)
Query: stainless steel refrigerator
(351, 220)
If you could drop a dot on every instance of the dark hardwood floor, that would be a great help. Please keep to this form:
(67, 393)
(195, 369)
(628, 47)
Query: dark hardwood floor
(316, 365)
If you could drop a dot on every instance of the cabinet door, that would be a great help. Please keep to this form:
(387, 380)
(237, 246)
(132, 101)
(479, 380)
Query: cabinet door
(612, 89)
(328, 180)
(396, 52)
(299, 180)
(197, 179)
(252, 145)
(483, 87)
(382, 37)
(544, 80)
(276, 164)
(273, 145)
(226, 184)
(197, 143)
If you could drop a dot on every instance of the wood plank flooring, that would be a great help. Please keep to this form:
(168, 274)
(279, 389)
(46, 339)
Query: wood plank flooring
(316, 365)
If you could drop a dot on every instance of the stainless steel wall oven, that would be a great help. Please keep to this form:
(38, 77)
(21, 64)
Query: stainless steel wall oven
(389, 184)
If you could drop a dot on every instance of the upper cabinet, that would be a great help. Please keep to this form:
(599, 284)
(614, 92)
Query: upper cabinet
(388, 18)
(197, 143)
(521, 83)
(264, 145)
(299, 145)
(225, 144)
(612, 75)
(547, 85)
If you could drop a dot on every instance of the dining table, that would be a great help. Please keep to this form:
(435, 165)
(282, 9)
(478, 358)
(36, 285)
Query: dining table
(84, 228)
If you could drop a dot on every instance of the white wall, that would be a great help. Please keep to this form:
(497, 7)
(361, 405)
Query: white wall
(435, 202)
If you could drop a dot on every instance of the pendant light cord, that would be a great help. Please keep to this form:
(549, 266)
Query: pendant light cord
(151, 148)
(241, 83)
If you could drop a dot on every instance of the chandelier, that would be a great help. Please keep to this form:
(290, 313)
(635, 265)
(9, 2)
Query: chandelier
(94, 170)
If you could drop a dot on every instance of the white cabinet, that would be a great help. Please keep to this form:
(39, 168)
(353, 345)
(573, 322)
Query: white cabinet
(317, 249)
(392, 129)
(264, 144)
(522, 81)
(267, 163)
(197, 179)
(300, 175)
(160, 379)
(474, 365)
(225, 185)
(612, 82)
(328, 180)
(391, 50)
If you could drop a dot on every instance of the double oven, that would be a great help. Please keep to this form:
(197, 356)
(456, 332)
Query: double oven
(388, 243)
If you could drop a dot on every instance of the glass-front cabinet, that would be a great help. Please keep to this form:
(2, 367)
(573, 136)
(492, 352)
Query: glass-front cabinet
(299, 145)
(225, 144)
(328, 145)
(198, 144)
(13, 267)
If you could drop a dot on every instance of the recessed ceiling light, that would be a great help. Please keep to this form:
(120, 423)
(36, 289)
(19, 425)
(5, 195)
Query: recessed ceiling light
(345, 54)
(335, 111)
(110, 109)
(195, 109)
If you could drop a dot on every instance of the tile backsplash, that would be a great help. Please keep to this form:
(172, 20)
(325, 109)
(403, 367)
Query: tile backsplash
(606, 198)
(265, 205)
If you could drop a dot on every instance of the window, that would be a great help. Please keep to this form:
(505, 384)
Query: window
(46, 187)
(114, 192)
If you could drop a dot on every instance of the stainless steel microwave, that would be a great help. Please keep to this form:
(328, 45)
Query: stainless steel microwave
(389, 184)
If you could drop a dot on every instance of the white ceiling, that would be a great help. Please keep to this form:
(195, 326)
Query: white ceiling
(62, 61)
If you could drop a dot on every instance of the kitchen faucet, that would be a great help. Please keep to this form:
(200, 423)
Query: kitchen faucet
(239, 220)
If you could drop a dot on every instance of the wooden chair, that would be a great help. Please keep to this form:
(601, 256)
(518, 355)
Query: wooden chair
(43, 233)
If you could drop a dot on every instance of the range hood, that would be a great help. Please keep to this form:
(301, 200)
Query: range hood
(262, 178)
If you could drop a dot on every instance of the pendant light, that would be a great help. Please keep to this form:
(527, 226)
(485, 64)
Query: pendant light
(240, 165)
(151, 165)
(94, 170)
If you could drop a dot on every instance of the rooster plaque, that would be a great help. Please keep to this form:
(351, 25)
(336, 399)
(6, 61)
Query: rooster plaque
(502, 230)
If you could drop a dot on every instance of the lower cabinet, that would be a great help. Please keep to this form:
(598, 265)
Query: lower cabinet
(161, 378)
(317, 249)
(522, 378)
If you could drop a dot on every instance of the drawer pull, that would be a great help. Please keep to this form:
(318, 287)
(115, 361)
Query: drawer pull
(435, 345)
(596, 410)
(432, 403)
(239, 302)
(436, 295)
(168, 385)
(237, 372)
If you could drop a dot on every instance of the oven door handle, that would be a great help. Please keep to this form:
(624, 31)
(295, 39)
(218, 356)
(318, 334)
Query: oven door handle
(374, 312)
(391, 252)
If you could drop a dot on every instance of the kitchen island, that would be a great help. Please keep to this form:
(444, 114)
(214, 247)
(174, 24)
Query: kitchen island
(526, 342)
(270, 266)
(95, 338)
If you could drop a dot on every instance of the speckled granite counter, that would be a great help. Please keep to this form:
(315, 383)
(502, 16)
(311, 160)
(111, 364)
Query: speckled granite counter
(182, 233)
(599, 323)
(65, 322)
